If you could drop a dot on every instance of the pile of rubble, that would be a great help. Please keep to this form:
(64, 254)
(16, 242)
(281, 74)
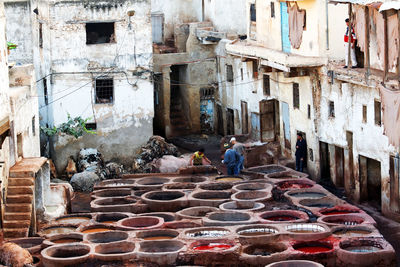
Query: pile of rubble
(156, 148)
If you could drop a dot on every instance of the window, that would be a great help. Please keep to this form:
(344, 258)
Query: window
(100, 33)
(296, 96)
(331, 109)
(272, 10)
(267, 84)
(41, 35)
(33, 126)
(378, 117)
(255, 69)
(253, 13)
(364, 114)
(91, 126)
(241, 73)
(104, 91)
(311, 154)
(309, 111)
(229, 73)
(45, 94)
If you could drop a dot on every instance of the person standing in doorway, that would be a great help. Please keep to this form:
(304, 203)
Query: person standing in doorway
(231, 159)
(239, 148)
(353, 46)
(301, 152)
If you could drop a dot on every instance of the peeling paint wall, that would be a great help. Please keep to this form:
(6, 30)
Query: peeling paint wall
(71, 67)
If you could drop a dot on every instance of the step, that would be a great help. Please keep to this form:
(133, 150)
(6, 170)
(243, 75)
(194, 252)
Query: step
(15, 232)
(11, 199)
(18, 190)
(13, 216)
(19, 181)
(22, 174)
(18, 207)
(16, 224)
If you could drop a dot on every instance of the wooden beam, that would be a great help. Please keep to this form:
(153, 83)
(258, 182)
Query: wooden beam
(4, 125)
(386, 49)
(398, 56)
(366, 48)
(275, 65)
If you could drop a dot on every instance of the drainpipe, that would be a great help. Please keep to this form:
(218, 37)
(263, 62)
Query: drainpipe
(397, 169)
(202, 10)
(327, 24)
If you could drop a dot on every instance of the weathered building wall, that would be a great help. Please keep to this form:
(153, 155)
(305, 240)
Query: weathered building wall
(19, 30)
(177, 12)
(122, 125)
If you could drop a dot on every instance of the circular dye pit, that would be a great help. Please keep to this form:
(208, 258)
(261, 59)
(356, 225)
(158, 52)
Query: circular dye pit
(164, 195)
(264, 250)
(284, 216)
(213, 247)
(251, 187)
(342, 220)
(95, 230)
(117, 183)
(142, 222)
(111, 252)
(305, 228)
(66, 240)
(107, 237)
(268, 169)
(32, 244)
(256, 231)
(229, 179)
(361, 245)
(313, 247)
(73, 219)
(242, 205)
(120, 192)
(157, 234)
(295, 263)
(180, 186)
(196, 212)
(289, 185)
(207, 233)
(229, 216)
(168, 217)
(338, 211)
(216, 186)
(212, 195)
(353, 231)
(307, 194)
(317, 203)
(58, 230)
(193, 179)
(109, 218)
(251, 195)
(114, 201)
(163, 246)
(65, 254)
(152, 181)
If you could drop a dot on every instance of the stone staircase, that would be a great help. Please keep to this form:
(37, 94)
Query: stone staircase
(19, 215)
(179, 122)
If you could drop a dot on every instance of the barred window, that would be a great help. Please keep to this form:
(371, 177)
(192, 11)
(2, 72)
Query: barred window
(104, 91)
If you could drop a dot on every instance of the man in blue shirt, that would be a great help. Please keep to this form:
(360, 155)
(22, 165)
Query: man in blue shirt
(231, 159)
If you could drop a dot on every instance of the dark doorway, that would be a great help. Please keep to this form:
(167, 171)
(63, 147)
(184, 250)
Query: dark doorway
(220, 121)
(350, 168)
(324, 161)
(230, 122)
(269, 120)
(245, 117)
(158, 121)
(370, 181)
(339, 168)
(394, 184)
(20, 146)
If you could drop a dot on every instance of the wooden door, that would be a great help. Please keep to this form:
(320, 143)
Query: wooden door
(245, 118)
(267, 121)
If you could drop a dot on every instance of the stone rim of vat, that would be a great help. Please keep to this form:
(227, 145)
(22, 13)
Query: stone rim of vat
(378, 243)
(231, 242)
(125, 183)
(288, 174)
(160, 257)
(189, 233)
(190, 179)
(157, 232)
(221, 218)
(372, 230)
(312, 231)
(298, 216)
(256, 206)
(256, 195)
(155, 222)
(348, 209)
(257, 169)
(99, 202)
(290, 194)
(50, 240)
(182, 213)
(72, 226)
(99, 193)
(111, 227)
(295, 263)
(146, 197)
(36, 243)
(48, 254)
(116, 236)
(307, 202)
(167, 216)
(102, 251)
(151, 181)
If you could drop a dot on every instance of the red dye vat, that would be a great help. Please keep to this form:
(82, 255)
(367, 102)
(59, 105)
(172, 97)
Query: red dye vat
(213, 247)
(338, 212)
(313, 249)
(281, 218)
(292, 185)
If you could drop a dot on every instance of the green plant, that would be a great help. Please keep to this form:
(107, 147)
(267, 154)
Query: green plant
(75, 127)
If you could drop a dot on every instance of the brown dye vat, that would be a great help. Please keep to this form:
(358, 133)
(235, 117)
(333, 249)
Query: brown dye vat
(293, 185)
(158, 238)
(95, 230)
(66, 240)
(58, 230)
(216, 186)
(69, 252)
(229, 179)
(264, 250)
(73, 220)
(352, 231)
(109, 221)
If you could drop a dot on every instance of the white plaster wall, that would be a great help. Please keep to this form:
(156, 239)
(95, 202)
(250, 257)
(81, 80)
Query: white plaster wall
(19, 30)
(177, 12)
(227, 15)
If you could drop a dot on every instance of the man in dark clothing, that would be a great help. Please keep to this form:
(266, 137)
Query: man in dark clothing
(231, 159)
(301, 152)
